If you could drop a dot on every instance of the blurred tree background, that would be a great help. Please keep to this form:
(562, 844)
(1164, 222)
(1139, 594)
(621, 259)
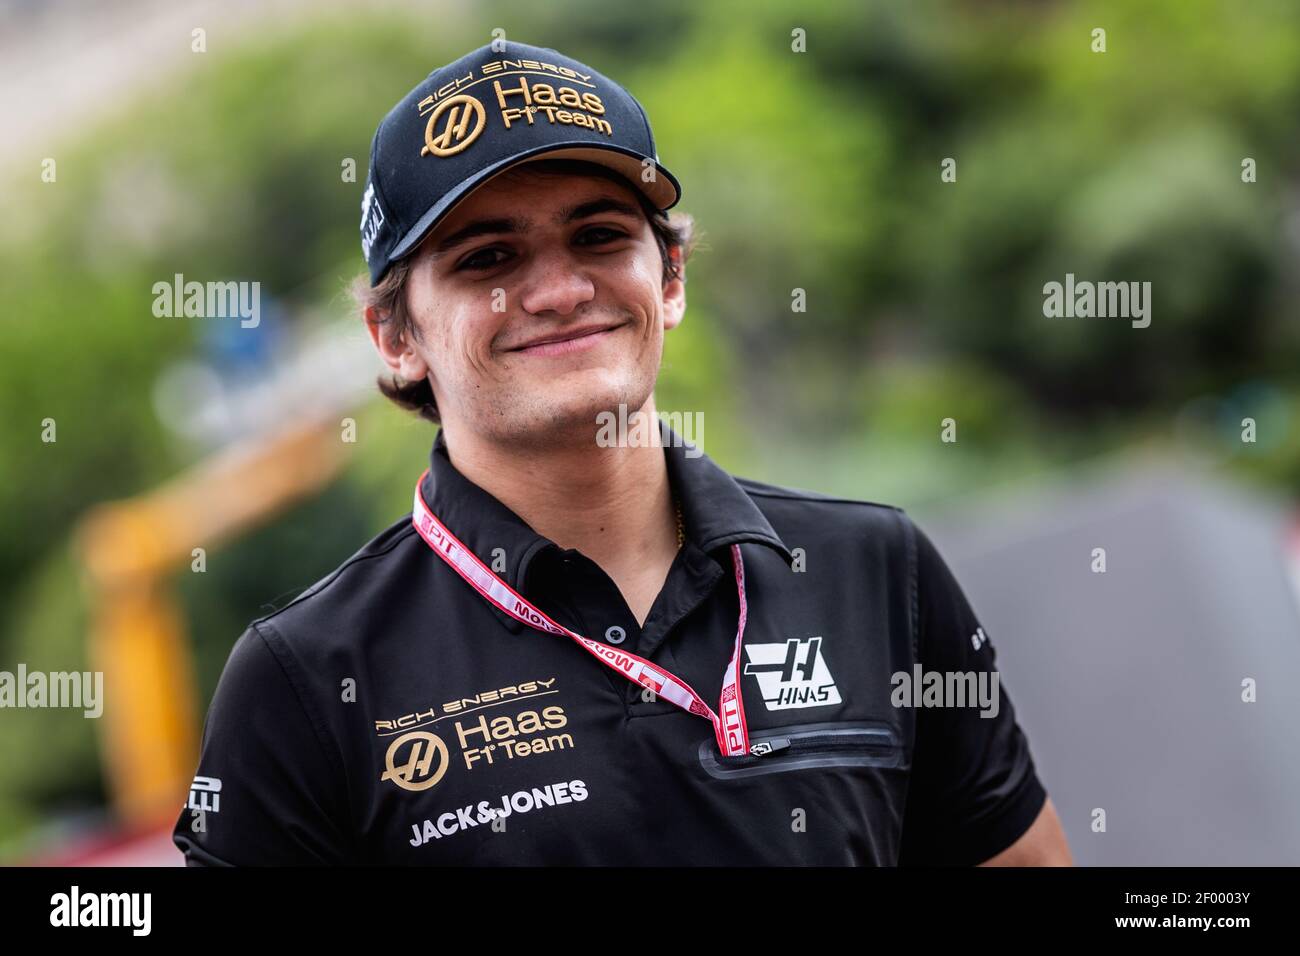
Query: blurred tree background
(817, 171)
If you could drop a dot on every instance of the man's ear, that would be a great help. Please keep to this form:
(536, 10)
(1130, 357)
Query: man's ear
(395, 350)
(675, 291)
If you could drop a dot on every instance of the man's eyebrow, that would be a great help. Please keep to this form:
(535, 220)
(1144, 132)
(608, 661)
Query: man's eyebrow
(479, 227)
(595, 207)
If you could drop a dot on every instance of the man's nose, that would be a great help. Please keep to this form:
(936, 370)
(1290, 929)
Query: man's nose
(556, 283)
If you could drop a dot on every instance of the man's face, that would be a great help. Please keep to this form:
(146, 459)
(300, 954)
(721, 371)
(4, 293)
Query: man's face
(540, 301)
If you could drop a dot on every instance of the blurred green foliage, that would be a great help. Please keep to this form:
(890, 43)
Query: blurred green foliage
(818, 171)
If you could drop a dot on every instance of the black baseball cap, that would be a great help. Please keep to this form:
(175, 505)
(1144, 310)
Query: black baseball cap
(504, 104)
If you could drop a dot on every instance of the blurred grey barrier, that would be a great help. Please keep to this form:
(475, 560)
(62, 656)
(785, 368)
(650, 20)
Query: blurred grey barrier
(1134, 684)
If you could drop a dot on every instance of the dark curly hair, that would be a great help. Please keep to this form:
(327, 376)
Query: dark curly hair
(675, 230)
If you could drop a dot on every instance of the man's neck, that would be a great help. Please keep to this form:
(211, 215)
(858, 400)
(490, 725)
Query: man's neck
(612, 504)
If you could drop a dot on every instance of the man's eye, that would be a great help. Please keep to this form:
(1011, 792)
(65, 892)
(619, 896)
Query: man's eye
(481, 260)
(599, 234)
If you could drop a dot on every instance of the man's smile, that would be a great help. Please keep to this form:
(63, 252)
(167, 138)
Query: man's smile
(568, 341)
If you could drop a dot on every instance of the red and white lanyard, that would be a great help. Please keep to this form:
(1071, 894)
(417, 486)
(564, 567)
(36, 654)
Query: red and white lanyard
(729, 725)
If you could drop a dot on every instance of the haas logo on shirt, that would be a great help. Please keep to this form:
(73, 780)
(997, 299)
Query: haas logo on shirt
(793, 674)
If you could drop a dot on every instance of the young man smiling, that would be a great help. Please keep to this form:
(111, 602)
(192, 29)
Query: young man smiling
(577, 654)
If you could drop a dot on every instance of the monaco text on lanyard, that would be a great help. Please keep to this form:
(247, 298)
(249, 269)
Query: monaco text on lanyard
(729, 725)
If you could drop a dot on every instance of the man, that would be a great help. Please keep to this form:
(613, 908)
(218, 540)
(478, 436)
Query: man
(578, 650)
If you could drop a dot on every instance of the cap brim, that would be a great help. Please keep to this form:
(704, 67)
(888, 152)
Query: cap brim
(663, 191)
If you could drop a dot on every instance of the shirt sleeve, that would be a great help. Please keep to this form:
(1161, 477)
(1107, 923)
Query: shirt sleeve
(266, 792)
(973, 790)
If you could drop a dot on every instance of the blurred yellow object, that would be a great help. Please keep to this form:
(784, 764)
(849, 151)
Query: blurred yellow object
(138, 636)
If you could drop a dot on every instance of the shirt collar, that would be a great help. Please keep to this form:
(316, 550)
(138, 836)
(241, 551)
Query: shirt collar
(716, 511)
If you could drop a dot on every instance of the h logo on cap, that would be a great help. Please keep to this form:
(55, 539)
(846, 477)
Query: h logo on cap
(459, 110)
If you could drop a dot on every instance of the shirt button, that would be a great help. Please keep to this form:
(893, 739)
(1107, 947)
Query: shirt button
(615, 635)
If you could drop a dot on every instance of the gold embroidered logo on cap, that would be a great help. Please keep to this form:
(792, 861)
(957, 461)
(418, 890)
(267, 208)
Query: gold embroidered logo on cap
(519, 101)
(584, 109)
(456, 134)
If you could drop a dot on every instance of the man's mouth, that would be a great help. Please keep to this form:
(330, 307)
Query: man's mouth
(567, 341)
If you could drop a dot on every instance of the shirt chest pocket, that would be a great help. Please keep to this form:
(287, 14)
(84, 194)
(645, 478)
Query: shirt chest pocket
(806, 747)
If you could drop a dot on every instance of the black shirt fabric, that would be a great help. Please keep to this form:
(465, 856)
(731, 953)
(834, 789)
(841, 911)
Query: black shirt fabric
(391, 715)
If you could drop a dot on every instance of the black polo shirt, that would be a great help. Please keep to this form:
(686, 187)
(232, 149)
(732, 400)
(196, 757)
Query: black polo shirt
(391, 715)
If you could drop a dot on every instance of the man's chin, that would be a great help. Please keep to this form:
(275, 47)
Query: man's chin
(571, 417)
